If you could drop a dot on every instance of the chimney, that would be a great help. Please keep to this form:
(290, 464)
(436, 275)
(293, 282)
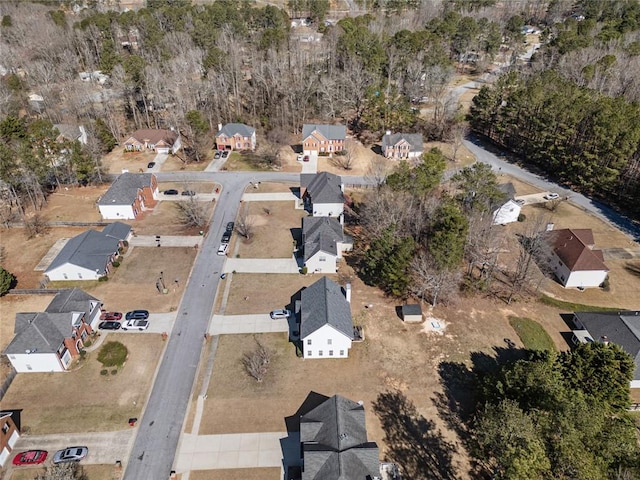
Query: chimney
(219, 126)
(604, 339)
(388, 132)
(347, 292)
(549, 227)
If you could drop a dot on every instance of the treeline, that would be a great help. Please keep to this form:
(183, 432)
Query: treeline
(580, 136)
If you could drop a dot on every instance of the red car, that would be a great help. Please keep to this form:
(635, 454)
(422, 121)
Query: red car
(306, 158)
(31, 457)
(110, 316)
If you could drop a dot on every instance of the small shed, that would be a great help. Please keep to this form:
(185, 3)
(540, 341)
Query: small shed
(412, 313)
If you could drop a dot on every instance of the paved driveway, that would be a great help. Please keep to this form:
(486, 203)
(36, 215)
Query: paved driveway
(260, 323)
(312, 165)
(261, 265)
(160, 158)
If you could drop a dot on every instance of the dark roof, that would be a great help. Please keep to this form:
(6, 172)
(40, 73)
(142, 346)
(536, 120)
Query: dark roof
(40, 332)
(230, 129)
(413, 309)
(321, 234)
(572, 246)
(508, 189)
(323, 187)
(413, 139)
(91, 249)
(330, 132)
(334, 442)
(323, 303)
(71, 300)
(124, 190)
(154, 135)
(621, 328)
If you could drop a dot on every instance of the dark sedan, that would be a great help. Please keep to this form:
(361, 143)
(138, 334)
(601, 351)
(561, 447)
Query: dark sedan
(188, 193)
(171, 191)
(230, 226)
(137, 315)
(151, 164)
(111, 325)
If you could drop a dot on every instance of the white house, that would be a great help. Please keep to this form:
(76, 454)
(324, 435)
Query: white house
(48, 341)
(621, 328)
(573, 259)
(507, 213)
(129, 195)
(323, 194)
(89, 255)
(326, 327)
(324, 242)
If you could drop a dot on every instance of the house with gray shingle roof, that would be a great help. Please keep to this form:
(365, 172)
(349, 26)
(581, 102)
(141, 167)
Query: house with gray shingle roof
(48, 341)
(129, 195)
(322, 194)
(402, 145)
(334, 442)
(326, 327)
(324, 242)
(153, 139)
(323, 138)
(621, 328)
(235, 136)
(71, 133)
(89, 255)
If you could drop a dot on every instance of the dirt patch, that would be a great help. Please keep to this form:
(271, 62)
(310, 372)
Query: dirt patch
(276, 225)
(236, 474)
(99, 402)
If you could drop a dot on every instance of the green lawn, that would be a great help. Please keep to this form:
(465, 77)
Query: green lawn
(575, 307)
(532, 334)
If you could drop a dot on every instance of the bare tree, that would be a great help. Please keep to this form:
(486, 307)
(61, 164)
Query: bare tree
(191, 213)
(553, 204)
(346, 158)
(245, 223)
(63, 471)
(256, 362)
(36, 225)
(377, 171)
(430, 281)
(457, 134)
(484, 243)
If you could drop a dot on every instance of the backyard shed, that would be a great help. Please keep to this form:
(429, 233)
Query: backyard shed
(412, 313)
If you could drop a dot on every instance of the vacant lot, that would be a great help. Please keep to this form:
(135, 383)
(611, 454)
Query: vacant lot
(275, 226)
(164, 220)
(74, 204)
(119, 160)
(83, 400)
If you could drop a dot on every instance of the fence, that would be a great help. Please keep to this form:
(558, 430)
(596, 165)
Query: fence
(634, 407)
(7, 382)
(34, 291)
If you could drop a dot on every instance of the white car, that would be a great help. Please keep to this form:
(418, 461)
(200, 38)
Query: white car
(300, 157)
(551, 196)
(280, 314)
(222, 249)
(135, 325)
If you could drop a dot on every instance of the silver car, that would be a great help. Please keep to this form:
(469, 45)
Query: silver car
(70, 454)
(280, 314)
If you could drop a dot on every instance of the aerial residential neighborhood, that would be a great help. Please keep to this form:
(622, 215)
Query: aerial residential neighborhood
(319, 240)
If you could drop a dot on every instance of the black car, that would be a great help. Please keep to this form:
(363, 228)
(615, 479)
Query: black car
(225, 154)
(137, 315)
(171, 191)
(109, 325)
(188, 193)
(151, 164)
(230, 226)
(217, 155)
(226, 237)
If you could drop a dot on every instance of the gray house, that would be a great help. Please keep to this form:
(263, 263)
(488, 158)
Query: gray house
(402, 145)
(323, 194)
(324, 242)
(326, 327)
(89, 255)
(334, 442)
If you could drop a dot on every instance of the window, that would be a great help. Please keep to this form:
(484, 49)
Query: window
(309, 342)
(5, 427)
(65, 276)
(79, 275)
(329, 340)
(322, 259)
(308, 353)
(331, 353)
(319, 353)
(29, 367)
(342, 353)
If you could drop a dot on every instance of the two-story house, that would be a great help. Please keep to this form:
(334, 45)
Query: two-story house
(235, 136)
(324, 242)
(323, 194)
(129, 195)
(323, 138)
(402, 145)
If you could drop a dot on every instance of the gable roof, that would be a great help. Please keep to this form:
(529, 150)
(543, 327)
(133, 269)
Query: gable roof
(155, 135)
(71, 300)
(413, 139)
(321, 234)
(91, 249)
(507, 213)
(621, 328)
(323, 303)
(124, 189)
(323, 187)
(70, 132)
(572, 246)
(334, 441)
(330, 132)
(40, 332)
(231, 129)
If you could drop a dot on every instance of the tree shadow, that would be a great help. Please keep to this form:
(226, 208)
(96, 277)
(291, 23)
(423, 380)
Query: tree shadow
(414, 442)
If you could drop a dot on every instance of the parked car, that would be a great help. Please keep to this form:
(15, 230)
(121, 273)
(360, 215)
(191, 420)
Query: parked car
(135, 325)
(188, 193)
(230, 226)
(300, 157)
(280, 314)
(519, 201)
(109, 325)
(111, 316)
(225, 154)
(30, 457)
(137, 315)
(151, 164)
(222, 249)
(70, 454)
(226, 237)
(217, 155)
(551, 196)
(171, 191)
(306, 158)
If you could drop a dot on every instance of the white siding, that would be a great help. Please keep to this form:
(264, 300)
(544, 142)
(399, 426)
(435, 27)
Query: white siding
(317, 264)
(634, 384)
(94, 316)
(588, 278)
(326, 340)
(35, 362)
(72, 272)
(14, 438)
(3, 456)
(327, 209)
(116, 212)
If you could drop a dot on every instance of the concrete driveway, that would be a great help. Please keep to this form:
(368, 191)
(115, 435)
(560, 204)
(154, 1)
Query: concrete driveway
(260, 323)
(312, 165)
(534, 198)
(160, 158)
(261, 265)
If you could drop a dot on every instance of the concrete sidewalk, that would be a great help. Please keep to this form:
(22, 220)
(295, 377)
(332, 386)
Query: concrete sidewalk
(166, 240)
(260, 323)
(261, 265)
(266, 197)
(240, 450)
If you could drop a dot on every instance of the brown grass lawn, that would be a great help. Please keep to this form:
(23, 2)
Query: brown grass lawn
(271, 187)
(198, 187)
(265, 291)
(272, 236)
(77, 204)
(83, 400)
(164, 220)
(118, 160)
(94, 472)
(236, 474)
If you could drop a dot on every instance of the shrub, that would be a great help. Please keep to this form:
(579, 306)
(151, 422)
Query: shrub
(7, 281)
(113, 354)
(522, 217)
(104, 278)
(606, 286)
(114, 371)
(304, 270)
(115, 264)
(104, 372)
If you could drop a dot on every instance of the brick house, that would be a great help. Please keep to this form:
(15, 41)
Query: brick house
(402, 145)
(235, 136)
(323, 138)
(154, 139)
(9, 433)
(129, 195)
